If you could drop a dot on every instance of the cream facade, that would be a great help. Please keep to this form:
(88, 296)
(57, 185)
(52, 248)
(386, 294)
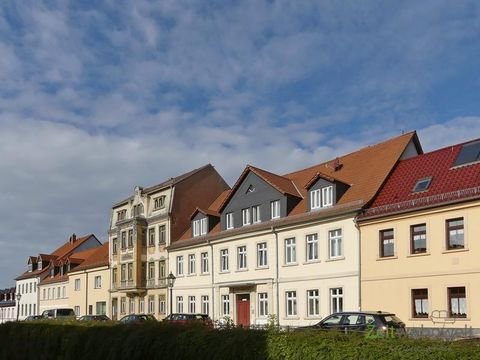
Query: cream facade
(29, 302)
(89, 291)
(434, 287)
(53, 295)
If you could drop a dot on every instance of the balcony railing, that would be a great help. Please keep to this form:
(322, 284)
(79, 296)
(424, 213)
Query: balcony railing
(156, 283)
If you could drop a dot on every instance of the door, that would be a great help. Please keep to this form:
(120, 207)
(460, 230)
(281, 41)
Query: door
(243, 309)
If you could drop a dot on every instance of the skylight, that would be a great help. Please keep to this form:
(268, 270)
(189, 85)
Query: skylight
(422, 185)
(470, 153)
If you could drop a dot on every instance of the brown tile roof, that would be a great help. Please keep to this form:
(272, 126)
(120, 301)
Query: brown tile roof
(204, 212)
(365, 170)
(98, 257)
(52, 280)
(68, 247)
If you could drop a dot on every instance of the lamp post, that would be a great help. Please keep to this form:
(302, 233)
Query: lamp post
(19, 296)
(170, 282)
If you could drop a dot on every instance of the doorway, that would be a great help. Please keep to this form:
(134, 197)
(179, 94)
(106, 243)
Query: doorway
(243, 310)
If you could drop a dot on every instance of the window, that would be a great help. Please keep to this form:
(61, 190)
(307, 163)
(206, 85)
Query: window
(335, 243)
(420, 303)
(315, 199)
(179, 265)
(98, 282)
(130, 271)
(256, 214)
(327, 196)
(77, 310)
(290, 251)
(262, 304)
(162, 238)
(114, 245)
(180, 304)
(151, 273)
(121, 215)
(470, 153)
(58, 292)
(151, 237)
(418, 238)
(275, 209)
(64, 292)
(457, 302)
(131, 306)
(246, 217)
(200, 227)
(387, 243)
(312, 247)
(336, 300)
(124, 240)
(224, 260)
(242, 257)
(313, 303)
(130, 238)
(159, 203)
(101, 308)
(162, 270)
(422, 185)
(205, 304)
(204, 265)
(123, 272)
(291, 302)
(161, 304)
(77, 284)
(225, 305)
(262, 254)
(44, 294)
(191, 304)
(123, 307)
(229, 220)
(191, 264)
(455, 232)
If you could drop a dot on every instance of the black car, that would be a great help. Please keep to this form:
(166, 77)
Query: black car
(183, 318)
(137, 319)
(361, 321)
(94, 318)
(34, 318)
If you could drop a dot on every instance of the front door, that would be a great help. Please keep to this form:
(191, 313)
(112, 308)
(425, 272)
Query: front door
(243, 309)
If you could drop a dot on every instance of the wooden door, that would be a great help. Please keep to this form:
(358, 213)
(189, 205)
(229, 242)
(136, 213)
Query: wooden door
(243, 309)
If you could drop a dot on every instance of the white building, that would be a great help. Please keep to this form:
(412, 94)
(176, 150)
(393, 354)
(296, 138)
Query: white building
(8, 305)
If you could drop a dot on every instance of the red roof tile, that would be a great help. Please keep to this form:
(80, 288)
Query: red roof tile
(98, 257)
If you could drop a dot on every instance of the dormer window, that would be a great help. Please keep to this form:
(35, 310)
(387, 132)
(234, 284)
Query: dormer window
(315, 199)
(52, 271)
(121, 215)
(229, 220)
(40, 265)
(246, 217)
(327, 196)
(159, 203)
(422, 185)
(275, 209)
(30, 267)
(200, 227)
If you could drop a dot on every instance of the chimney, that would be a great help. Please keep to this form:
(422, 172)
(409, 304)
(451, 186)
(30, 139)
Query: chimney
(73, 238)
(336, 164)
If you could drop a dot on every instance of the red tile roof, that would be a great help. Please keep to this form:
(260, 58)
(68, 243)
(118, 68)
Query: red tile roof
(98, 257)
(448, 183)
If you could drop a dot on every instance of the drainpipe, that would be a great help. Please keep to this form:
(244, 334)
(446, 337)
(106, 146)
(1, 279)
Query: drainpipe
(359, 263)
(277, 295)
(213, 280)
(86, 292)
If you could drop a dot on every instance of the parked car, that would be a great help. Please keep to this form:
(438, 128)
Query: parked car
(360, 321)
(62, 313)
(33, 317)
(137, 319)
(182, 318)
(94, 318)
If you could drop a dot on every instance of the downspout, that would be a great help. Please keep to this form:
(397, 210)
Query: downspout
(359, 262)
(213, 280)
(86, 292)
(277, 291)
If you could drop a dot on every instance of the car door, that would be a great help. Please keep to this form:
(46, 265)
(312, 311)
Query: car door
(353, 322)
(332, 322)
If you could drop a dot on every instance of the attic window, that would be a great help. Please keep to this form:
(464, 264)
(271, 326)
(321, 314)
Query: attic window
(422, 185)
(250, 189)
(159, 203)
(470, 153)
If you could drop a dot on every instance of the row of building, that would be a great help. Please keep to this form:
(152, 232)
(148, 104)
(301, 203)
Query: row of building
(386, 227)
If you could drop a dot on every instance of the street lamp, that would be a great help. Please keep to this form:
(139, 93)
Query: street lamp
(170, 282)
(19, 296)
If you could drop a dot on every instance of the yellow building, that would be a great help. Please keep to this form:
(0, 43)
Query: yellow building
(419, 248)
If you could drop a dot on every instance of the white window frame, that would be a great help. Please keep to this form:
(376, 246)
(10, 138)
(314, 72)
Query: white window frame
(204, 262)
(224, 265)
(162, 304)
(327, 196)
(313, 303)
(336, 300)
(242, 257)
(291, 303)
(192, 304)
(263, 304)
(98, 282)
(312, 247)
(290, 251)
(275, 209)
(179, 265)
(226, 305)
(262, 255)
(246, 216)
(77, 285)
(229, 220)
(151, 304)
(335, 244)
(191, 264)
(196, 228)
(315, 202)
(179, 304)
(205, 305)
(256, 214)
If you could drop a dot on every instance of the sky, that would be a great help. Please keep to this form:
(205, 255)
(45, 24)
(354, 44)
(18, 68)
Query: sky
(97, 97)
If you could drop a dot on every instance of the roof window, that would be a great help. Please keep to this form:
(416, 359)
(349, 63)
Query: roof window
(470, 153)
(422, 185)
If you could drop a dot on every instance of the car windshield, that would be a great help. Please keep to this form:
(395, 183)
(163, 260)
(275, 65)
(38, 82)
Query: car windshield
(392, 320)
(65, 312)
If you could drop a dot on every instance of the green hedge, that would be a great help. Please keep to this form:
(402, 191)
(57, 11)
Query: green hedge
(159, 341)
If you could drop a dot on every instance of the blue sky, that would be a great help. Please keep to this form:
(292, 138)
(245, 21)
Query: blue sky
(96, 98)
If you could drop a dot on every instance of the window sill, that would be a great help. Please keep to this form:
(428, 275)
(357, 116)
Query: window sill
(313, 317)
(419, 254)
(419, 319)
(454, 251)
(308, 262)
(205, 274)
(241, 270)
(180, 276)
(193, 274)
(224, 272)
(262, 267)
(291, 318)
(290, 264)
(335, 259)
(387, 258)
